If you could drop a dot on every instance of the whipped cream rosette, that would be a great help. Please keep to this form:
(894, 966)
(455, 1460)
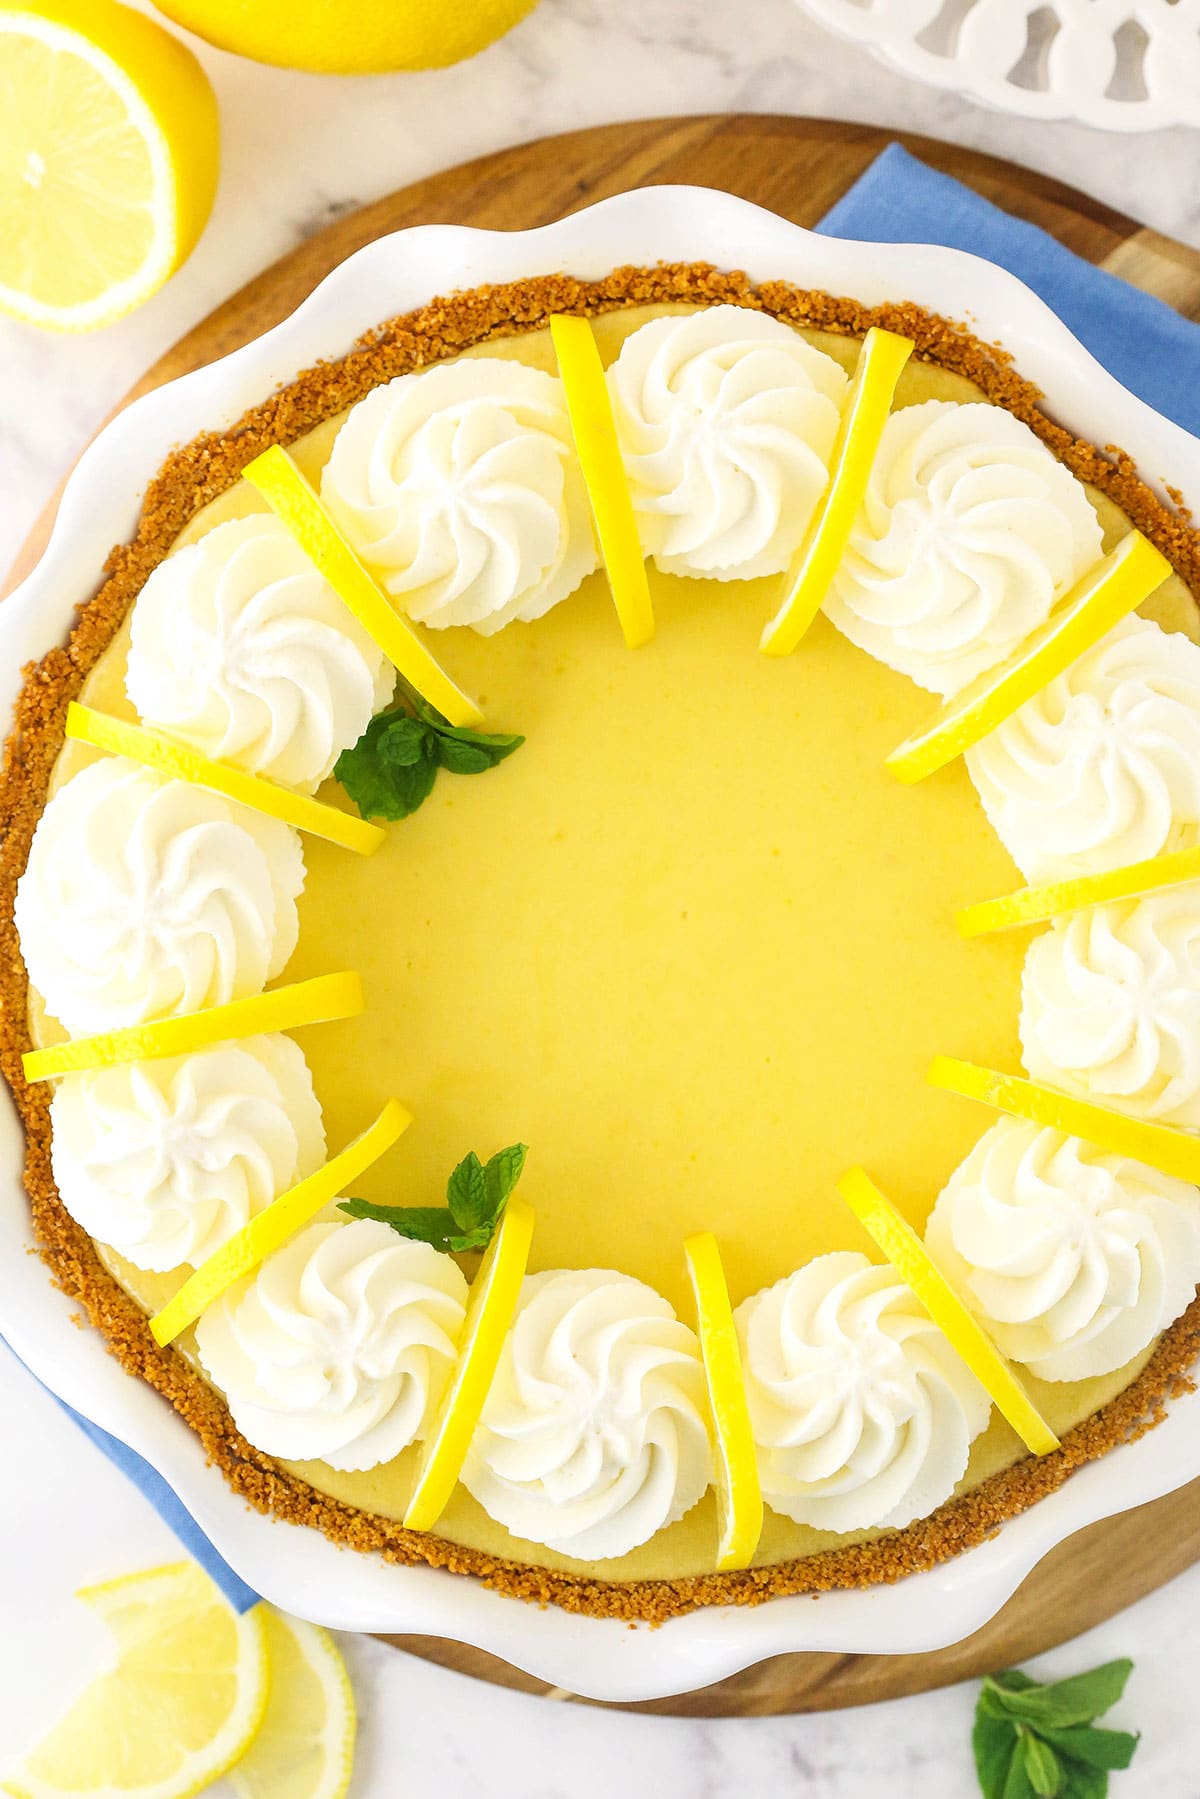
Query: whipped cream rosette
(164, 1160)
(970, 534)
(145, 897)
(240, 647)
(1074, 1259)
(340, 1345)
(862, 1412)
(460, 489)
(594, 1435)
(726, 420)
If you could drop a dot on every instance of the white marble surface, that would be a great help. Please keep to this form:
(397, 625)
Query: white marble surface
(298, 150)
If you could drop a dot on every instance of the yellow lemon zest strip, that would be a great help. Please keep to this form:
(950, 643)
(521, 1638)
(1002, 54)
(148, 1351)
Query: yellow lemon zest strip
(1116, 584)
(1034, 905)
(908, 1255)
(291, 498)
(321, 1000)
(880, 359)
(183, 764)
(282, 1219)
(1160, 1146)
(595, 434)
(495, 1293)
(739, 1494)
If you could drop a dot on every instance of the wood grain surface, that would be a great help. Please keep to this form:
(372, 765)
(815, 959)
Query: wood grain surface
(798, 168)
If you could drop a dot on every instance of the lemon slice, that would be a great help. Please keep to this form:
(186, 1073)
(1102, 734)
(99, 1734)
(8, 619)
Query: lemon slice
(739, 1495)
(184, 1699)
(1034, 905)
(1120, 581)
(291, 498)
(1158, 1145)
(882, 356)
(183, 764)
(321, 1000)
(108, 160)
(271, 1228)
(595, 434)
(917, 1268)
(495, 1292)
(304, 1748)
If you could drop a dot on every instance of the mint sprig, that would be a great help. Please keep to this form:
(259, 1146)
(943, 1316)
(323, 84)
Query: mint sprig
(391, 770)
(476, 1195)
(1041, 1742)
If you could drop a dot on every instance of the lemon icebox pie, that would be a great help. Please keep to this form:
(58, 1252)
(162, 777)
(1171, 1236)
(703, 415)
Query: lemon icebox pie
(602, 925)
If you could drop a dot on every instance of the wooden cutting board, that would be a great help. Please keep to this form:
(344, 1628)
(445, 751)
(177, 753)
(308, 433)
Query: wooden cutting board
(798, 168)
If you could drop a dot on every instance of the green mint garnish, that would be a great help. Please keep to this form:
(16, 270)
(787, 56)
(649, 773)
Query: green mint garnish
(390, 771)
(476, 1195)
(1041, 1742)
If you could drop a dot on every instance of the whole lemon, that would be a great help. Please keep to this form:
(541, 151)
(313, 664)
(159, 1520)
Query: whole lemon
(349, 37)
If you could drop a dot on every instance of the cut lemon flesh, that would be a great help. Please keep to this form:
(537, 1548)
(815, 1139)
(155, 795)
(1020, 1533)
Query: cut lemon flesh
(881, 358)
(595, 434)
(180, 763)
(108, 160)
(282, 1219)
(739, 1494)
(913, 1263)
(321, 1000)
(1120, 581)
(1034, 905)
(185, 1698)
(1159, 1146)
(304, 1748)
(495, 1293)
(293, 500)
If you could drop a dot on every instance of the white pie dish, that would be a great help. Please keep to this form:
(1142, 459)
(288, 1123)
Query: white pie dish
(298, 1568)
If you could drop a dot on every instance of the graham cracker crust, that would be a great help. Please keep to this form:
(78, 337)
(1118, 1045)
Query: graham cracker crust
(196, 474)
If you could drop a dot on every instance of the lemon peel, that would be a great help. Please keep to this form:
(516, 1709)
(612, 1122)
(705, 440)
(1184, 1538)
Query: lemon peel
(739, 1493)
(1034, 905)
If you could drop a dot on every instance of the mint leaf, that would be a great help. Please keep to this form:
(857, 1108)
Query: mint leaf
(461, 758)
(1041, 1765)
(466, 1193)
(502, 1174)
(403, 740)
(391, 770)
(424, 1224)
(476, 1198)
(1064, 1702)
(1035, 1741)
(1092, 1745)
(1017, 1785)
(994, 1742)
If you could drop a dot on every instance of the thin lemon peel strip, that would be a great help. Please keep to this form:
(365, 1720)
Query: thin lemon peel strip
(180, 763)
(1160, 1146)
(595, 433)
(293, 500)
(881, 358)
(739, 1492)
(282, 1219)
(1036, 905)
(1106, 594)
(902, 1247)
(495, 1293)
(322, 1000)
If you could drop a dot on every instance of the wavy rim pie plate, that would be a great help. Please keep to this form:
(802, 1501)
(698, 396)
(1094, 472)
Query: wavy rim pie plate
(297, 1567)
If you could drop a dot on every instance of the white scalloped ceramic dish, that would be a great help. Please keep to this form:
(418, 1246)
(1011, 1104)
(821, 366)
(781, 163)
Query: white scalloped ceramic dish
(298, 1568)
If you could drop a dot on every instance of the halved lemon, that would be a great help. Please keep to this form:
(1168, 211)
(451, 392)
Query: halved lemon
(108, 159)
(896, 1237)
(185, 1698)
(495, 1292)
(1120, 581)
(739, 1494)
(595, 434)
(880, 359)
(304, 1748)
(1034, 905)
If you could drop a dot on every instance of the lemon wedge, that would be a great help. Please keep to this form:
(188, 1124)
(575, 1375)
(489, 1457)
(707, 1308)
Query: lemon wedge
(291, 498)
(916, 1267)
(183, 764)
(183, 1701)
(321, 1000)
(739, 1495)
(1160, 1146)
(304, 1748)
(495, 1292)
(108, 160)
(880, 359)
(595, 434)
(1120, 581)
(271, 1228)
(1034, 905)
